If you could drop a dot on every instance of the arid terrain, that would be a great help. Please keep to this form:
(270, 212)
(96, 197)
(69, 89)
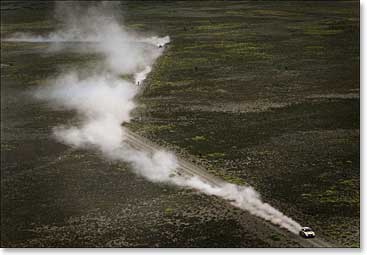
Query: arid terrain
(262, 93)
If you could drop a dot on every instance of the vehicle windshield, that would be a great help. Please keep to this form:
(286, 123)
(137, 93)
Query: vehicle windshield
(307, 229)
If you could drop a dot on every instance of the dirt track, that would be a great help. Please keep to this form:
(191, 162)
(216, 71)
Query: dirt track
(266, 108)
(189, 169)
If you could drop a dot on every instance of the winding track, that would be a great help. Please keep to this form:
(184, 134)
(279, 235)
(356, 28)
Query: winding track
(187, 168)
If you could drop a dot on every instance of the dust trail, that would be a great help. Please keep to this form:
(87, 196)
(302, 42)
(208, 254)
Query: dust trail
(104, 100)
(140, 77)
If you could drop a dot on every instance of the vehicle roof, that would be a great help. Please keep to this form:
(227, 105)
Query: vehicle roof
(306, 228)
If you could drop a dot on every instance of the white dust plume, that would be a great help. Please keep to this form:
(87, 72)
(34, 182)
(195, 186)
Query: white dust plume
(140, 77)
(103, 102)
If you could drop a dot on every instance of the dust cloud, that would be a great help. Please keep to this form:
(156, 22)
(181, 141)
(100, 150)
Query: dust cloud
(104, 100)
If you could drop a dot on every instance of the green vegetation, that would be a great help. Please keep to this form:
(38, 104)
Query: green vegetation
(234, 180)
(275, 237)
(265, 52)
(244, 74)
(168, 210)
(198, 138)
(216, 154)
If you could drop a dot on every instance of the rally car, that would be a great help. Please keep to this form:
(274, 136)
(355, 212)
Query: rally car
(307, 232)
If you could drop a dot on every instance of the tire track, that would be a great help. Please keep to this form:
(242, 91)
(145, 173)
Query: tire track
(189, 169)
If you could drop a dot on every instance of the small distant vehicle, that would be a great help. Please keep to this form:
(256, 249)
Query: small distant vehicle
(160, 46)
(307, 232)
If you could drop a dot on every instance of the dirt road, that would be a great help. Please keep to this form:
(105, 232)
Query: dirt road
(187, 168)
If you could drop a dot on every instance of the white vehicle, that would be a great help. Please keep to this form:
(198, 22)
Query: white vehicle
(307, 232)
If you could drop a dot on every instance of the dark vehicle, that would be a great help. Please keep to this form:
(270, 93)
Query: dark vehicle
(307, 232)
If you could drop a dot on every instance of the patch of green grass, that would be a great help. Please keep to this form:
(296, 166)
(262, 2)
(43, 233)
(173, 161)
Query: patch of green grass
(27, 26)
(168, 210)
(274, 13)
(275, 237)
(346, 192)
(306, 195)
(198, 138)
(7, 147)
(234, 180)
(152, 128)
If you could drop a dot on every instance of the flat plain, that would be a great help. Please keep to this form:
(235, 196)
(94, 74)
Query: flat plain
(264, 93)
